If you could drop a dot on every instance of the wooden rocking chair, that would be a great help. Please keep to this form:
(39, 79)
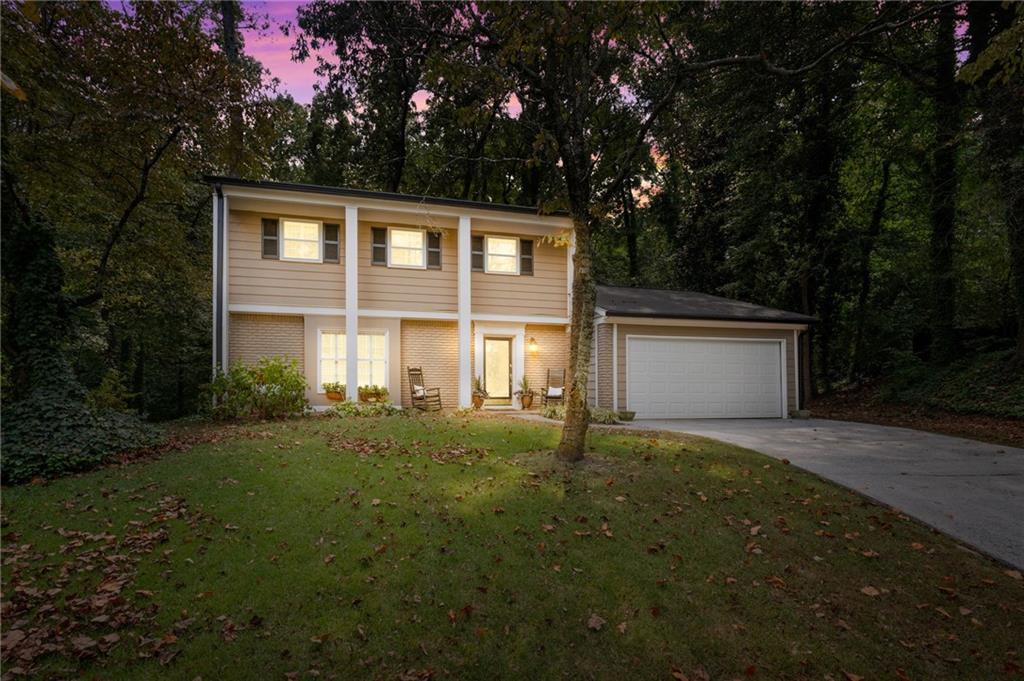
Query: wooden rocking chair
(554, 391)
(426, 399)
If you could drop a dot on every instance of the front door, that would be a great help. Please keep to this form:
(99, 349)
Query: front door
(498, 370)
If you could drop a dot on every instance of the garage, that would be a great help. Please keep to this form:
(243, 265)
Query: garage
(673, 377)
(686, 355)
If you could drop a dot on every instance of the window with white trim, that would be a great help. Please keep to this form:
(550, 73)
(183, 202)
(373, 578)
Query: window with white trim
(332, 359)
(501, 255)
(300, 240)
(372, 349)
(408, 248)
(373, 359)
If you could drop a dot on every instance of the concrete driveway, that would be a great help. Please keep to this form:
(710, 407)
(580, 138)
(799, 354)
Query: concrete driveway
(970, 490)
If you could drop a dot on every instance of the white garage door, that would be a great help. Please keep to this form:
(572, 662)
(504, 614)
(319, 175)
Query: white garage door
(703, 378)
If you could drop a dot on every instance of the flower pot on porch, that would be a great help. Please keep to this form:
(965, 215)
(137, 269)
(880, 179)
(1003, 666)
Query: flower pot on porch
(477, 401)
(335, 396)
(526, 401)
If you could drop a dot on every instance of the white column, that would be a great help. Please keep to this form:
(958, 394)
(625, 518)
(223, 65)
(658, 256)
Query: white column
(225, 316)
(569, 272)
(352, 302)
(215, 327)
(465, 312)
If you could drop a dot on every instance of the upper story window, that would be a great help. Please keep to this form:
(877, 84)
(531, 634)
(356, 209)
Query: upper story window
(408, 247)
(502, 255)
(301, 240)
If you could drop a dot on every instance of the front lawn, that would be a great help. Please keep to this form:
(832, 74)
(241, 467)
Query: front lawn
(456, 547)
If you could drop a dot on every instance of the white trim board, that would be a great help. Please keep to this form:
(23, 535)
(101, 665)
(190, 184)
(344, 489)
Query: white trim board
(702, 323)
(518, 334)
(395, 314)
(551, 222)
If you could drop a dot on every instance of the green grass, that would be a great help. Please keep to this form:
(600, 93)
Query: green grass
(491, 565)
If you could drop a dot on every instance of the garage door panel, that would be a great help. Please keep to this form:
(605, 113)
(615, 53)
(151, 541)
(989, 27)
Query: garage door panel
(703, 378)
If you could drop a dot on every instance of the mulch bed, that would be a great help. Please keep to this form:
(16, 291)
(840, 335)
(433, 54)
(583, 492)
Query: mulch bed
(1002, 431)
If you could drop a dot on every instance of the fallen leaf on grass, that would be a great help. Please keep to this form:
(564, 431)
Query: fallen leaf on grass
(870, 591)
(1013, 574)
(596, 622)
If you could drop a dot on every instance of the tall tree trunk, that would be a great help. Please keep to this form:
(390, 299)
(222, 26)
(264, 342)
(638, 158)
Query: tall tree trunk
(1002, 125)
(867, 246)
(630, 228)
(229, 40)
(577, 412)
(942, 211)
(395, 164)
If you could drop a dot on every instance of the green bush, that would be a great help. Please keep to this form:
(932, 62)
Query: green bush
(49, 435)
(360, 409)
(111, 393)
(272, 388)
(557, 412)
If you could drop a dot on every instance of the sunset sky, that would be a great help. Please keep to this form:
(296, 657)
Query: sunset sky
(273, 49)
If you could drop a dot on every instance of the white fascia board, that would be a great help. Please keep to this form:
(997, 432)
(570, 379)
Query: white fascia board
(715, 323)
(552, 222)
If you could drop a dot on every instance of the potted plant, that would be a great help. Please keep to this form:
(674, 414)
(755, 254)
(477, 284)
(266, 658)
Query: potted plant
(626, 415)
(335, 391)
(479, 394)
(373, 393)
(525, 393)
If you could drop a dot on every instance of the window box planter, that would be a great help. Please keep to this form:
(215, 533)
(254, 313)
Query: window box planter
(334, 391)
(373, 393)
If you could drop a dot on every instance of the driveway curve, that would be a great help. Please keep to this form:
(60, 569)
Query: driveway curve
(972, 491)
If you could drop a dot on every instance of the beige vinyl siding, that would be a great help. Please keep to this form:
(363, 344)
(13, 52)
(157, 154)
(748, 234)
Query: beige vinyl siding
(552, 353)
(544, 293)
(254, 336)
(416, 290)
(785, 335)
(253, 279)
(433, 346)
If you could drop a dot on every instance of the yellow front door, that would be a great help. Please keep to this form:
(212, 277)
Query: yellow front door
(498, 370)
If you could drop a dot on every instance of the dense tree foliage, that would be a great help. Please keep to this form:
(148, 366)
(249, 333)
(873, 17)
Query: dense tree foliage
(861, 163)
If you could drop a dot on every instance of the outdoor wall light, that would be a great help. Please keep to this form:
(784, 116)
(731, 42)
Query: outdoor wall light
(532, 344)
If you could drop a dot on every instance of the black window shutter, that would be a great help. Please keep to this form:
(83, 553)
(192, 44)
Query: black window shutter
(477, 250)
(379, 246)
(526, 257)
(270, 238)
(332, 247)
(434, 250)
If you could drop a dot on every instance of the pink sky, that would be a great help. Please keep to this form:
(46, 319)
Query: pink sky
(273, 49)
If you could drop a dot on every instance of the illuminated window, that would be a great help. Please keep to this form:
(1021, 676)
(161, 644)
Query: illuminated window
(501, 255)
(408, 248)
(372, 359)
(300, 240)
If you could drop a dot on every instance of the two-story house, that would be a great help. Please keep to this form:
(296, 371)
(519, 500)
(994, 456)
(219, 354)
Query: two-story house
(357, 286)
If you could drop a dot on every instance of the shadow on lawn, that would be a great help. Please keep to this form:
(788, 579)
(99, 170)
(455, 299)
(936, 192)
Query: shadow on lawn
(461, 548)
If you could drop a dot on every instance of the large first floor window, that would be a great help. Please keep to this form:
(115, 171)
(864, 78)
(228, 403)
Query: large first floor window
(372, 359)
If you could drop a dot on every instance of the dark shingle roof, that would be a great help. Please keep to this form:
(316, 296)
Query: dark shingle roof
(390, 196)
(624, 301)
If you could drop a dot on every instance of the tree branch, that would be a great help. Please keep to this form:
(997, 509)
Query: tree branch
(115, 234)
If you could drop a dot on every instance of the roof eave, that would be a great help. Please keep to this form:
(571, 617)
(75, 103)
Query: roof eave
(713, 318)
(384, 196)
